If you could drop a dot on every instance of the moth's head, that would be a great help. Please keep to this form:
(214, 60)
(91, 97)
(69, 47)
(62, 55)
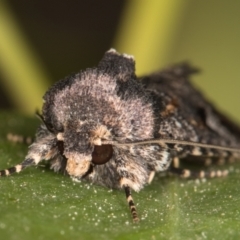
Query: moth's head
(102, 103)
(81, 111)
(83, 147)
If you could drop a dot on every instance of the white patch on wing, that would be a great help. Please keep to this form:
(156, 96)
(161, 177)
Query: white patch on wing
(127, 182)
(164, 162)
(151, 176)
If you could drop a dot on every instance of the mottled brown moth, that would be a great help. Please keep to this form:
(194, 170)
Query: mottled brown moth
(111, 128)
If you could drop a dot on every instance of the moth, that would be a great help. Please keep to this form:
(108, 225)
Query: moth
(111, 128)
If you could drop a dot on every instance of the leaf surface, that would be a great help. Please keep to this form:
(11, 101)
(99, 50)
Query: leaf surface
(41, 204)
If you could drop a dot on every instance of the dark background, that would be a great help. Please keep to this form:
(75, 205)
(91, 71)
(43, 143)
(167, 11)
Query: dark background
(66, 37)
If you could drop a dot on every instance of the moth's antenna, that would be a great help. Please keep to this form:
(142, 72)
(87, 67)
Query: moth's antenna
(48, 126)
(174, 141)
(39, 115)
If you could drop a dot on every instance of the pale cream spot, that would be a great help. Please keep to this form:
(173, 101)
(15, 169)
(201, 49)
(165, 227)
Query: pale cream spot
(169, 109)
(112, 50)
(129, 199)
(196, 151)
(164, 163)
(193, 122)
(35, 157)
(99, 133)
(128, 56)
(225, 173)
(210, 153)
(60, 136)
(7, 173)
(212, 174)
(18, 168)
(219, 173)
(201, 174)
(97, 142)
(178, 124)
(131, 184)
(151, 176)
(176, 162)
(186, 173)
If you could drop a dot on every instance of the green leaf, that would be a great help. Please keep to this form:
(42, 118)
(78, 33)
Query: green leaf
(40, 204)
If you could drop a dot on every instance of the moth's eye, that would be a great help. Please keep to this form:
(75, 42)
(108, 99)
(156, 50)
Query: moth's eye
(102, 154)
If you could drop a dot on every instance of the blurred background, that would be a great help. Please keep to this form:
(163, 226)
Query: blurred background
(44, 41)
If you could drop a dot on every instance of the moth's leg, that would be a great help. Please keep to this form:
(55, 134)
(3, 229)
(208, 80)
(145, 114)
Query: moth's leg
(211, 156)
(44, 148)
(125, 186)
(204, 161)
(218, 161)
(226, 160)
(176, 162)
(131, 203)
(151, 176)
(16, 169)
(59, 163)
(19, 138)
(205, 157)
(133, 173)
(186, 173)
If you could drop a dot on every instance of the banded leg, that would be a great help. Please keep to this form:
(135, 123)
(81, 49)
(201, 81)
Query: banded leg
(131, 204)
(18, 168)
(46, 148)
(186, 173)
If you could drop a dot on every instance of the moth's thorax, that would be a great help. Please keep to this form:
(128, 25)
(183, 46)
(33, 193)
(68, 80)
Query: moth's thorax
(97, 99)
